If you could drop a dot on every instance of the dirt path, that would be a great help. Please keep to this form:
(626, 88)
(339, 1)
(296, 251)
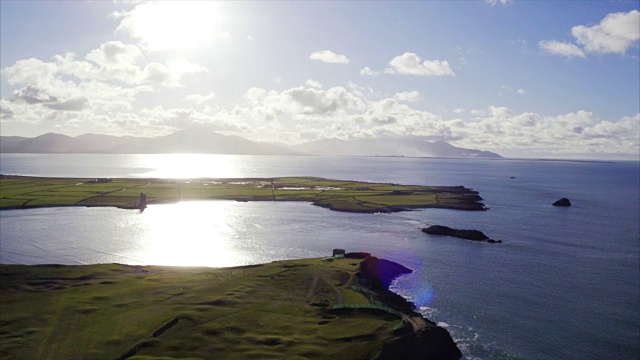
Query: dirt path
(335, 289)
(314, 283)
(417, 323)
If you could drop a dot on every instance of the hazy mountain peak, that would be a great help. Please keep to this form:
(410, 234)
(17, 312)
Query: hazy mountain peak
(206, 141)
(417, 147)
(192, 140)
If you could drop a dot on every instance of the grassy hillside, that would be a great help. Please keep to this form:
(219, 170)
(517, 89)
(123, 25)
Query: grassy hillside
(278, 310)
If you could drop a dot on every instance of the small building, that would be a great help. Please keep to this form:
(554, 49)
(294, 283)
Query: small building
(99, 180)
(143, 201)
(338, 253)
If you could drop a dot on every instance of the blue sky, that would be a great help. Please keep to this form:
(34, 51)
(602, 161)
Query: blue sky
(522, 78)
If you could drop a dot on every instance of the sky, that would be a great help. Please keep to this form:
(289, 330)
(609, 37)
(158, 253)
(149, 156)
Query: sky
(528, 79)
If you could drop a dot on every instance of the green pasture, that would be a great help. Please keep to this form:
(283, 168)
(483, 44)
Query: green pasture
(340, 195)
(115, 311)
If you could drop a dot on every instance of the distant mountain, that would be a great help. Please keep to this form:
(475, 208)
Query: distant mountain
(7, 142)
(111, 144)
(197, 140)
(206, 141)
(418, 147)
(47, 143)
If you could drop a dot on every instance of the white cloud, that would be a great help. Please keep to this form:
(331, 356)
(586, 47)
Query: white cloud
(316, 101)
(410, 96)
(500, 111)
(313, 83)
(559, 48)
(32, 95)
(115, 53)
(495, 2)
(6, 112)
(158, 121)
(181, 66)
(506, 90)
(458, 111)
(92, 91)
(329, 56)
(157, 73)
(115, 61)
(572, 133)
(411, 64)
(77, 104)
(200, 99)
(306, 113)
(30, 71)
(614, 34)
(45, 83)
(368, 72)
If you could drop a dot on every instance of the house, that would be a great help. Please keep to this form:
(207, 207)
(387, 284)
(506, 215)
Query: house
(338, 253)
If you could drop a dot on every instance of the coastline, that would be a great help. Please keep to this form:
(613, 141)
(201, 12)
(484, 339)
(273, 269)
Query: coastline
(160, 302)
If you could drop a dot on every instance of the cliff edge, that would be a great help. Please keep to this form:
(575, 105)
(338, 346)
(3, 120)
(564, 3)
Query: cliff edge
(424, 339)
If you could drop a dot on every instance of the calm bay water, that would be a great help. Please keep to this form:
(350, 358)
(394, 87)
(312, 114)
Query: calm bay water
(565, 284)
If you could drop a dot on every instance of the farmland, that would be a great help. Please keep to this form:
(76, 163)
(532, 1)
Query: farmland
(20, 192)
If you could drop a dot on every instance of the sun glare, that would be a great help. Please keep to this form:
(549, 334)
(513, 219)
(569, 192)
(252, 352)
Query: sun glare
(175, 24)
(184, 166)
(190, 234)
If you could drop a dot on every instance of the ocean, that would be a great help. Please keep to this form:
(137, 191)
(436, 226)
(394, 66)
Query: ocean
(564, 284)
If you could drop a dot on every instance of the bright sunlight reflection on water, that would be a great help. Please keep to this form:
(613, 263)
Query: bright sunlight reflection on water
(190, 166)
(189, 234)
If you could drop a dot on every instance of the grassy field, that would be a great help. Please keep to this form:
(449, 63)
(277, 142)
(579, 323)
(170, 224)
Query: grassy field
(350, 196)
(279, 310)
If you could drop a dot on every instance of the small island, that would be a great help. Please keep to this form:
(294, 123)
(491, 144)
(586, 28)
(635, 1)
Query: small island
(23, 192)
(473, 235)
(323, 308)
(564, 202)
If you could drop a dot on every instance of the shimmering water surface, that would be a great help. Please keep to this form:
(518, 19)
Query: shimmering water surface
(565, 284)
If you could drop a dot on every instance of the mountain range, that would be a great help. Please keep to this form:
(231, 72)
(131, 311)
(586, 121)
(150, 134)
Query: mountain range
(199, 140)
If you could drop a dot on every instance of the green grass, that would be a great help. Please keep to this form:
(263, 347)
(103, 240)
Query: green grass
(104, 311)
(354, 297)
(340, 195)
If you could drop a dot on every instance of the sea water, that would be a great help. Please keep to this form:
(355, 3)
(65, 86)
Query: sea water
(565, 282)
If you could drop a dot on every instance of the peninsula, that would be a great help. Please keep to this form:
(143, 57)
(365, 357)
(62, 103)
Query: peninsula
(22, 192)
(337, 307)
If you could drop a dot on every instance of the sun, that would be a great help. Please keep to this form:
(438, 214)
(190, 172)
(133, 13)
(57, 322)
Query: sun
(175, 24)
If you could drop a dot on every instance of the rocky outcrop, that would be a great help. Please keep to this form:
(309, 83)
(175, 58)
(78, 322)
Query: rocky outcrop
(562, 202)
(473, 235)
(432, 342)
(383, 270)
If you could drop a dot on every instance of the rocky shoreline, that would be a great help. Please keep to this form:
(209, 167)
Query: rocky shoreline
(430, 341)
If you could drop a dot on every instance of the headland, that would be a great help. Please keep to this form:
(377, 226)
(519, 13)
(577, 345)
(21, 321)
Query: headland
(24, 192)
(323, 308)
